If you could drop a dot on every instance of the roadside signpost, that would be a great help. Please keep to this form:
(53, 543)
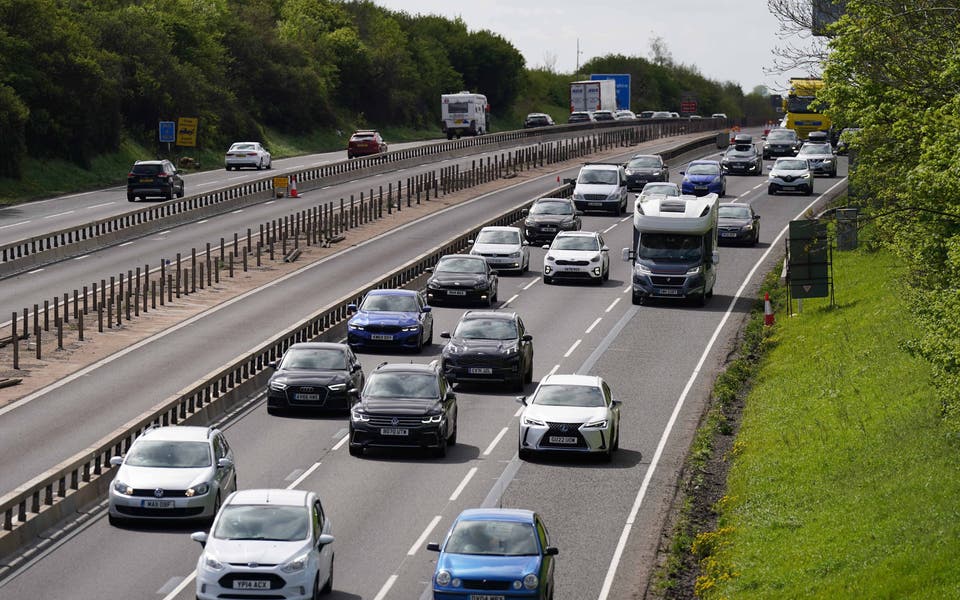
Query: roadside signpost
(809, 262)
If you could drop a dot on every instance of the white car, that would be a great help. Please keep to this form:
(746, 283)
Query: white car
(175, 472)
(503, 248)
(577, 255)
(601, 187)
(247, 154)
(790, 174)
(625, 115)
(570, 413)
(276, 542)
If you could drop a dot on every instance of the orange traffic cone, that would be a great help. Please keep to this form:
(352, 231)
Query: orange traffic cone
(293, 187)
(767, 310)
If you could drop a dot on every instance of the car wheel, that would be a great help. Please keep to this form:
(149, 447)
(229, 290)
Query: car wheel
(606, 274)
(699, 300)
(131, 198)
(315, 595)
(809, 190)
(452, 440)
(272, 410)
(636, 299)
(181, 192)
(260, 165)
(169, 193)
(616, 440)
(355, 449)
(607, 455)
(419, 347)
(328, 586)
(772, 190)
(216, 506)
(528, 377)
(756, 236)
(547, 280)
(441, 450)
(430, 337)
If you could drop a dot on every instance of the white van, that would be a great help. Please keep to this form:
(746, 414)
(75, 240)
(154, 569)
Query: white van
(464, 114)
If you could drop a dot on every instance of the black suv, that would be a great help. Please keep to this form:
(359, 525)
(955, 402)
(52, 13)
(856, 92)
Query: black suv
(538, 120)
(157, 178)
(644, 168)
(489, 346)
(405, 406)
(462, 277)
(742, 158)
(314, 375)
(548, 216)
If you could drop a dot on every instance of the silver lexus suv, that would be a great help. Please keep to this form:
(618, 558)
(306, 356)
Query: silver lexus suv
(172, 473)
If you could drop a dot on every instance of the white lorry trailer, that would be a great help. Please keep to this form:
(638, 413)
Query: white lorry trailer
(596, 94)
(464, 114)
(674, 250)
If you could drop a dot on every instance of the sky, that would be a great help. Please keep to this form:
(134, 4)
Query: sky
(726, 40)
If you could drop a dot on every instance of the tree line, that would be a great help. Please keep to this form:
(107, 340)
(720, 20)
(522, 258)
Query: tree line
(76, 76)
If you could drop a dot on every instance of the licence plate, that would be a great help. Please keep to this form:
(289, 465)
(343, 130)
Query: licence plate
(394, 431)
(486, 597)
(250, 584)
(549, 228)
(381, 337)
(156, 503)
(567, 269)
(728, 234)
(480, 370)
(456, 292)
(556, 439)
(668, 291)
(313, 397)
(146, 180)
(700, 187)
(595, 204)
(458, 121)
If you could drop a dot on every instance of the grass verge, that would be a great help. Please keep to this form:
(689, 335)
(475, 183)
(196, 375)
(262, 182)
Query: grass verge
(842, 479)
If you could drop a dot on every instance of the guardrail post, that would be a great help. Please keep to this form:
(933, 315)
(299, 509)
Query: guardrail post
(136, 295)
(100, 317)
(153, 297)
(193, 268)
(119, 303)
(85, 311)
(80, 327)
(259, 261)
(223, 256)
(129, 294)
(244, 261)
(146, 284)
(36, 319)
(389, 198)
(236, 242)
(110, 312)
(231, 265)
(201, 275)
(169, 288)
(209, 261)
(56, 310)
(249, 245)
(180, 273)
(16, 343)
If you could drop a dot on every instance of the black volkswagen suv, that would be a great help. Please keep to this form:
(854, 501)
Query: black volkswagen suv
(405, 406)
(489, 346)
(315, 376)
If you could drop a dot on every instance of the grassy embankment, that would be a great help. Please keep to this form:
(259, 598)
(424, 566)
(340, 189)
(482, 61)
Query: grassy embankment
(843, 482)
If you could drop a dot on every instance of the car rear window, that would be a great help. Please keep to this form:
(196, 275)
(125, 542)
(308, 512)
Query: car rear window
(147, 169)
(362, 136)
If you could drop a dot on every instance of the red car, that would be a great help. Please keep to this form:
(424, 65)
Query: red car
(365, 142)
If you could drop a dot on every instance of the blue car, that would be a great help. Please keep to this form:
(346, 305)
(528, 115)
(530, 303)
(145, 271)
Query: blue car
(703, 177)
(494, 553)
(390, 319)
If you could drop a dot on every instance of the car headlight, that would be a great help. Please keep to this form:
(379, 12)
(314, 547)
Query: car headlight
(642, 268)
(748, 227)
(429, 419)
(601, 424)
(529, 223)
(480, 285)
(656, 173)
(433, 285)
(211, 563)
(411, 328)
(513, 255)
(354, 326)
(451, 349)
(614, 196)
(297, 564)
(828, 161)
(197, 490)
(629, 171)
(337, 387)
(278, 386)
(531, 581)
(122, 488)
(549, 258)
(595, 259)
(358, 415)
(443, 578)
(694, 270)
(566, 224)
(527, 421)
(510, 350)
(805, 176)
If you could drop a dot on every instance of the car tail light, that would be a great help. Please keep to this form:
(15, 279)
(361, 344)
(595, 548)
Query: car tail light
(251, 153)
(130, 175)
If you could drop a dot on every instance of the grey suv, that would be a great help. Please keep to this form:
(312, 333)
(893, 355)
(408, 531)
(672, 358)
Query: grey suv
(154, 178)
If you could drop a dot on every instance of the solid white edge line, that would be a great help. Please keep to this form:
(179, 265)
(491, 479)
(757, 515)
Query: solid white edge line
(384, 590)
(608, 229)
(648, 476)
(340, 444)
(510, 299)
(530, 285)
(594, 324)
(553, 370)
(628, 289)
(518, 413)
(183, 585)
(14, 224)
(81, 257)
(306, 474)
(612, 304)
(495, 441)
(124, 244)
(572, 348)
(34, 271)
(463, 484)
(202, 222)
(423, 536)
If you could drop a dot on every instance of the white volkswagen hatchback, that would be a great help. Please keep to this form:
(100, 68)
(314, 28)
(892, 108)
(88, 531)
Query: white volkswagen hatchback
(267, 544)
(570, 413)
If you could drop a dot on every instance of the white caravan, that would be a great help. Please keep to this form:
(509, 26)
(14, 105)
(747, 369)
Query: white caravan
(464, 114)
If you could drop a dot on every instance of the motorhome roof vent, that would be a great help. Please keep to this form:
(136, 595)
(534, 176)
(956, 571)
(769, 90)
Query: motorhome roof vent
(673, 206)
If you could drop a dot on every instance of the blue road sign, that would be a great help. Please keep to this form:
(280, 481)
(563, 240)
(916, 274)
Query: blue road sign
(623, 87)
(168, 131)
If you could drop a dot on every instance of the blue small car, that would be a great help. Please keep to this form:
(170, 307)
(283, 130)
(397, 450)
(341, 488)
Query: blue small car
(390, 319)
(495, 553)
(703, 177)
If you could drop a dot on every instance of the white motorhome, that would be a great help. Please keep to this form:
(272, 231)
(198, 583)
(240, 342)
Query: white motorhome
(674, 250)
(464, 114)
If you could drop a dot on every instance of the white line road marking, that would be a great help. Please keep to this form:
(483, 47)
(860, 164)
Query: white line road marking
(125, 244)
(626, 219)
(648, 476)
(202, 222)
(595, 323)
(518, 413)
(81, 257)
(456, 493)
(531, 284)
(385, 589)
(400, 170)
(553, 370)
(238, 211)
(99, 205)
(303, 476)
(511, 299)
(495, 441)
(69, 212)
(293, 475)
(183, 585)
(572, 348)
(612, 304)
(339, 434)
(423, 536)
(607, 230)
(627, 289)
(326, 187)
(340, 444)
(207, 183)
(34, 271)
(164, 232)
(269, 202)
(758, 186)
(171, 584)
(14, 224)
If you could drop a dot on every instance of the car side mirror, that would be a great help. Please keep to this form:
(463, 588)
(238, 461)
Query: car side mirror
(525, 243)
(578, 213)
(116, 461)
(356, 367)
(429, 270)
(450, 395)
(522, 400)
(682, 172)
(545, 246)
(433, 547)
(351, 308)
(445, 335)
(273, 364)
(569, 181)
(604, 249)
(716, 257)
(426, 309)
(526, 338)
(470, 241)
(224, 463)
(756, 217)
(324, 540)
(353, 391)
(200, 537)
(617, 402)
(626, 254)
(524, 212)
(551, 551)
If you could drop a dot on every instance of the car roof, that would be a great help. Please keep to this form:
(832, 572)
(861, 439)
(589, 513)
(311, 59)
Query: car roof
(499, 228)
(150, 162)
(578, 234)
(568, 200)
(190, 433)
(364, 131)
(236, 143)
(562, 379)
(318, 346)
(470, 256)
(518, 515)
(489, 314)
(601, 166)
(388, 367)
(278, 497)
(392, 292)
(704, 161)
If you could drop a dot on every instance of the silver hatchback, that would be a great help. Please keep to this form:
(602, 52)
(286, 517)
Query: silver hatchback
(172, 473)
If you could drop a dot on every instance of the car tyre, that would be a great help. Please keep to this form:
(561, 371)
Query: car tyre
(756, 237)
(809, 190)
(528, 376)
(452, 440)
(636, 299)
(169, 193)
(429, 341)
(547, 280)
(131, 198)
(606, 274)
(616, 440)
(355, 449)
(441, 450)
(328, 586)
(181, 192)
(772, 190)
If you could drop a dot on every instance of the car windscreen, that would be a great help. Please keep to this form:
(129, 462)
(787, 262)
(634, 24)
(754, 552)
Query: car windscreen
(401, 385)
(702, 169)
(362, 137)
(390, 303)
(551, 208)
(644, 162)
(262, 522)
(790, 165)
(667, 189)
(314, 358)
(169, 454)
(461, 265)
(734, 212)
(458, 107)
(815, 150)
(499, 237)
(741, 152)
(669, 247)
(568, 395)
(242, 147)
(486, 329)
(601, 176)
(147, 169)
(782, 135)
(493, 538)
(576, 242)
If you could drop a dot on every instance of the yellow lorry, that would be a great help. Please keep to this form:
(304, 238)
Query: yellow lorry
(799, 115)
